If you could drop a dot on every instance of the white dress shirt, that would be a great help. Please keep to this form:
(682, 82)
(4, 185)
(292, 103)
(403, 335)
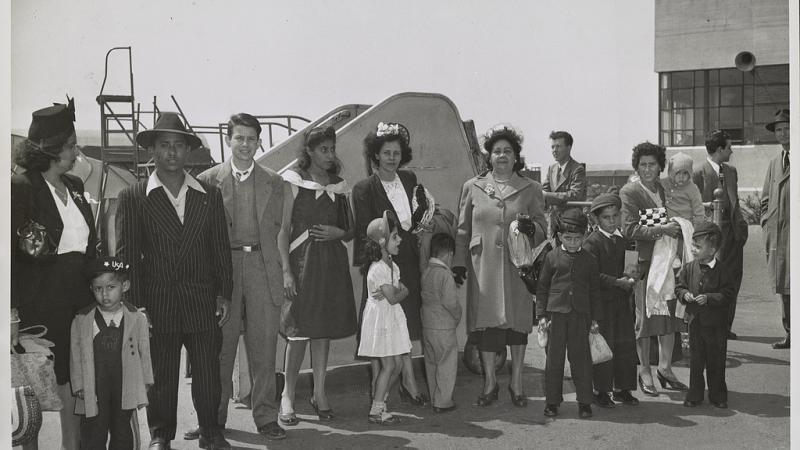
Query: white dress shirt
(179, 202)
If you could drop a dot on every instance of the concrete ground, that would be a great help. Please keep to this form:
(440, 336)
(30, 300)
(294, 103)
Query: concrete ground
(758, 382)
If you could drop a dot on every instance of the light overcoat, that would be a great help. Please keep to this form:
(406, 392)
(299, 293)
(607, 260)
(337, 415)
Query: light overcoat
(496, 296)
(775, 222)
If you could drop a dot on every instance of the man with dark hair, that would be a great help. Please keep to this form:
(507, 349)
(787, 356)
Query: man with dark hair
(775, 218)
(566, 179)
(714, 173)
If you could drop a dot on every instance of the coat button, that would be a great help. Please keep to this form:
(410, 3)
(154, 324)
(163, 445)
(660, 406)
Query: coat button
(132, 353)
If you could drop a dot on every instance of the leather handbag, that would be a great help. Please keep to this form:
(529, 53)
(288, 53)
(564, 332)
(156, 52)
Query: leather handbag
(35, 368)
(34, 240)
(26, 416)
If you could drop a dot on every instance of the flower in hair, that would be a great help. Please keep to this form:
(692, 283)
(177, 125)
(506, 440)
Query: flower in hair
(387, 129)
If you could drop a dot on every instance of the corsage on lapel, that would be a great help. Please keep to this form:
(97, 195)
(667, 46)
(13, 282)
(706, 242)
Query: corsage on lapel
(77, 197)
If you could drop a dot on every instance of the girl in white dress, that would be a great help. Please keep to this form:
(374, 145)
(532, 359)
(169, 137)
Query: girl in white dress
(384, 333)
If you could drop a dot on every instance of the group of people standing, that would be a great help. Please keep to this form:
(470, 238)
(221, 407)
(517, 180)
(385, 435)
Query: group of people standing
(241, 249)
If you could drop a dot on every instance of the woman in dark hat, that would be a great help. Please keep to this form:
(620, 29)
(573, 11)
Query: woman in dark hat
(47, 281)
(386, 150)
(499, 306)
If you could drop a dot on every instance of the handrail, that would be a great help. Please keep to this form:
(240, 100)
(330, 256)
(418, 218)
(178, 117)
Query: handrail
(105, 70)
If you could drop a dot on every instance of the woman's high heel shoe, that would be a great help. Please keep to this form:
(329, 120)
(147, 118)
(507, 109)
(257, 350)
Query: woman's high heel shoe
(488, 399)
(673, 385)
(419, 400)
(324, 415)
(647, 389)
(518, 400)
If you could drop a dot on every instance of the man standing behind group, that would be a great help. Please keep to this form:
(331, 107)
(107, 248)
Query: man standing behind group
(775, 217)
(734, 227)
(171, 229)
(258, 207)
(565, 180)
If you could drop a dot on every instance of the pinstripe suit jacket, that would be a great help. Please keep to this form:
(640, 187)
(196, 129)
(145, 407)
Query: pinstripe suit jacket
(177, 270)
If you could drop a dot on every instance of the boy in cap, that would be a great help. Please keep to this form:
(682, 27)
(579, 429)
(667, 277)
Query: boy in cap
(608, 247)
(110, 367)
(706, 288)
(567, 303)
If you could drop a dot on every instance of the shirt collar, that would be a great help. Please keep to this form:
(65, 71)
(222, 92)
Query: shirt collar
(437, 261)
(608, 235)
(568, 252)
(246, 172)
(154, 182)
(714, 165)
(711, 263)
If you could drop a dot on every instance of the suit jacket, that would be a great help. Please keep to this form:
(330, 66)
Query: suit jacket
(440, 307)
(706, 179)
(270, 191)
(177, 270)
(31, 199)
(610, 258)
(571, 186)
(569, 281)
(496, 296)
(775, 204)
(137, 369)
(634, 198)
(716, 284)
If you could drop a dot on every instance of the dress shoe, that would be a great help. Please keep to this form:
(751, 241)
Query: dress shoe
(584, 410)
(732, 336)
(192, 435)
(691, 403)
(720, 405)
(272, 431)
(324, 415)
(159, 444)
(781, 345)
(488, 399)
(670, 384)
(625, 397)
(288, 419)
(603, 400)
(550, 410)
(216, 442)
(419, 400)
(438, 410)
(647, 389)
(518, 400)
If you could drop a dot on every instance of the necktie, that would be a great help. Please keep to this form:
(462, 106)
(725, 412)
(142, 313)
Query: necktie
(240, 175)
(558, 173)
(785, 160)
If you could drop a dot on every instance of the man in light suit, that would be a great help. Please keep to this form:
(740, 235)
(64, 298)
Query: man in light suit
(775, 203)
(171, 229)
(734, 228)
(565, 180)
(258, 207)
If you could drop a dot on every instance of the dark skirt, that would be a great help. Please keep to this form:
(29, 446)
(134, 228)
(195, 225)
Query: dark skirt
(63, 291)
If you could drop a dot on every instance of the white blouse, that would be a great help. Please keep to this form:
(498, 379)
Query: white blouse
(75, 236)
(399, 199)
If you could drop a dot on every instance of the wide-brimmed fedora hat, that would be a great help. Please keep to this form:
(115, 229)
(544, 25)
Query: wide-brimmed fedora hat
(168, 122)
(781, 115)
(55, 121)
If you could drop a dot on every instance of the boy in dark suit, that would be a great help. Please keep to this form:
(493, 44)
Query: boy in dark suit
(567, 303)
(706, 287)
(608, 246)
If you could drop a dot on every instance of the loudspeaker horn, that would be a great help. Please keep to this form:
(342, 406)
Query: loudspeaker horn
(745, 61)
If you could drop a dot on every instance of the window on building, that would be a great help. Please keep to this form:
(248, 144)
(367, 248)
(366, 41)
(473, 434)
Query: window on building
(693, 102)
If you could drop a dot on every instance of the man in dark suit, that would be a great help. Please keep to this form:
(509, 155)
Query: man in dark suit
(172, 230)
(565, 180)
(707, 177)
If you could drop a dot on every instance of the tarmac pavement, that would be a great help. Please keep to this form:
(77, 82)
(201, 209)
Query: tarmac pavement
(758, 415)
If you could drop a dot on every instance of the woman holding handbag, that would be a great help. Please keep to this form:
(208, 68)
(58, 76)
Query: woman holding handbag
(53, 237)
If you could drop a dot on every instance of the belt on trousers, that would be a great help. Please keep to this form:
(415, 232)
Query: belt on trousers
(247, 248)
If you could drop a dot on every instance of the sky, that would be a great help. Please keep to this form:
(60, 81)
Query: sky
(576, 65)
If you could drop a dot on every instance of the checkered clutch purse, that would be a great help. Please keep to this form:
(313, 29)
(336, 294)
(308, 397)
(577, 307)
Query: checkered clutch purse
(651, 217)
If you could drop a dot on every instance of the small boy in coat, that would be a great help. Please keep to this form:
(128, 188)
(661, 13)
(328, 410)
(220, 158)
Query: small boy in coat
(441, 313)
(568, 304)
(110, 369)
(608, 246)
(706, 288)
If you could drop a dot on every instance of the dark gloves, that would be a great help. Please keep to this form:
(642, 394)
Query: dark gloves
(422, 202)
(525, 225)
(459, 274)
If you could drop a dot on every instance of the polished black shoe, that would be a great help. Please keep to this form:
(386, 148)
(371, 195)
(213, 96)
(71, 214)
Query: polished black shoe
(488, 399)
(584, 410)
(691, 403)
(603, 400)
(192, 435)
(272, 431)
(438, 410)
(647, 389)
(720, 405)
(325, 415)
(782, 345)
(519, 401)
(732, 336)
(625, 397)
(419, 400)
(551, 410)
(667, 383)
(159, 444)
(216, 442)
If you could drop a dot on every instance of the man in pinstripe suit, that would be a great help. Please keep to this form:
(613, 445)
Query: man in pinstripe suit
(172, 230)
